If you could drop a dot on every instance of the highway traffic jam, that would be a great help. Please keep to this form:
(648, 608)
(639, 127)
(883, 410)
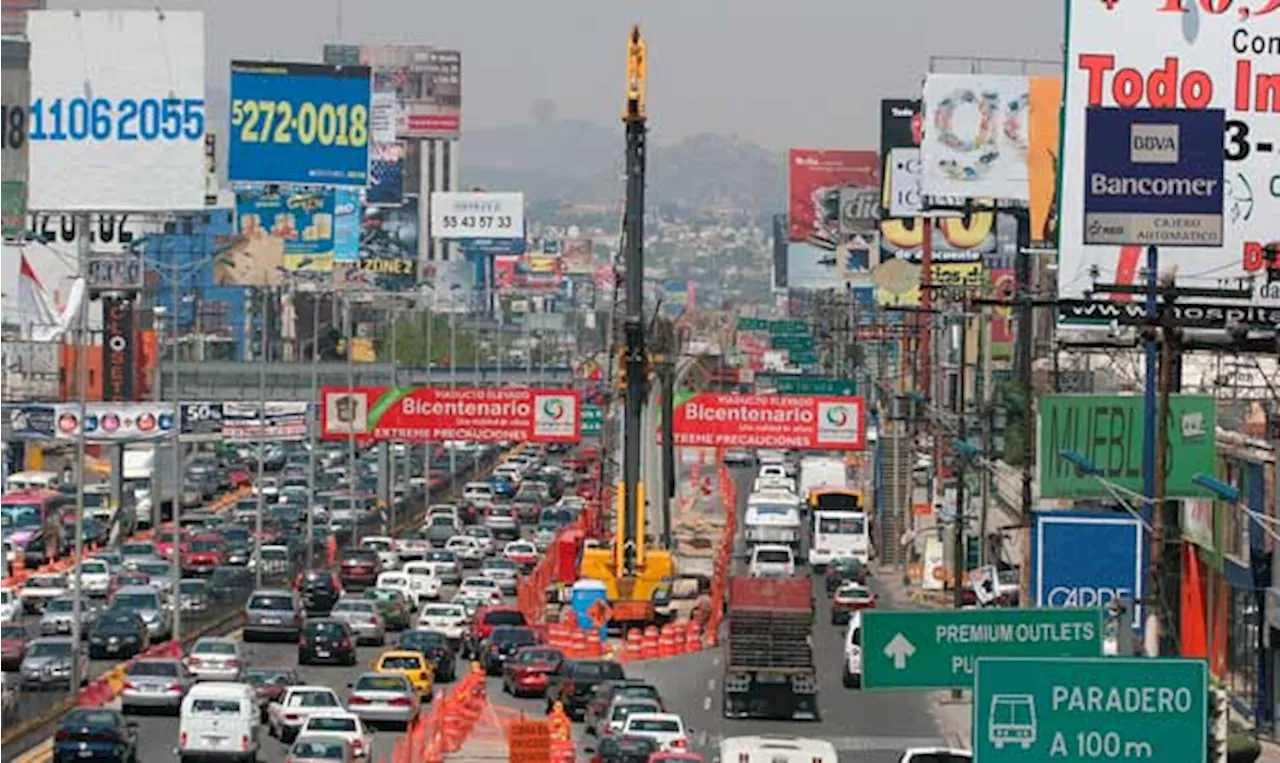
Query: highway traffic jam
(351, 628)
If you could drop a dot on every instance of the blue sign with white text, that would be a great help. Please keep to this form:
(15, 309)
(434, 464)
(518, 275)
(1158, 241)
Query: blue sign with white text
(1153, 177)
(1085, 560)
(303, 124)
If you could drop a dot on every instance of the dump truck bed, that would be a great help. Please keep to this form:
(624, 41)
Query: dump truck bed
(770, 624)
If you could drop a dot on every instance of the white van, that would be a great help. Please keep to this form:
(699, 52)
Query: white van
(773, 517)
(219, 720)
(777, 748)
(33, 481)
(772, 561)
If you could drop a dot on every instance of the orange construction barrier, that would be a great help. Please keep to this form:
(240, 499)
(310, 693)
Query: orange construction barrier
(692, 637)
(650, 648)
(666, 641)
(635, 645)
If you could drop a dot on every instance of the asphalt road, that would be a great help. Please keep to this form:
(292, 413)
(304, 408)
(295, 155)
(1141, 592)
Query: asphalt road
(869, 727)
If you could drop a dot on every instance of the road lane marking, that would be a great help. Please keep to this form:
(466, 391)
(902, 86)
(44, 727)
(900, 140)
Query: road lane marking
(711, 684)
(706, 703)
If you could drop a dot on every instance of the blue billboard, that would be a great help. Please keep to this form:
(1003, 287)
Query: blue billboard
(305, 124)
(1086, 559)
(348, 214)
(1153, 177)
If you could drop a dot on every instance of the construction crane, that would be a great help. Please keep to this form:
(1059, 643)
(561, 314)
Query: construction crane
(632, 573)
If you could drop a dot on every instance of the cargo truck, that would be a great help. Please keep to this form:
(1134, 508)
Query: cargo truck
(769, 666)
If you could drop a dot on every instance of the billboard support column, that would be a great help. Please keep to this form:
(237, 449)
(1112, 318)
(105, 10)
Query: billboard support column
(175, 302)
(1024, 352)
(1149, 450)
(82, 394)
(959, 559)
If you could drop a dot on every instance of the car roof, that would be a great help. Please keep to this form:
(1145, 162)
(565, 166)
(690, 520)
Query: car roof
(137, 589)
(272, 591)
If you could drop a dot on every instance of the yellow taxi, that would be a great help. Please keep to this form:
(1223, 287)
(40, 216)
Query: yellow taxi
(412, 665)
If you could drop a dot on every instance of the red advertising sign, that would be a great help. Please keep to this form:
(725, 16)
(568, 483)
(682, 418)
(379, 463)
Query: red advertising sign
(807, 422)
(433, 414)
(814, 182)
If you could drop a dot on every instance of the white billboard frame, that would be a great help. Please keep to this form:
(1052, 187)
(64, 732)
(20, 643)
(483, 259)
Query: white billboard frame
(457, 215)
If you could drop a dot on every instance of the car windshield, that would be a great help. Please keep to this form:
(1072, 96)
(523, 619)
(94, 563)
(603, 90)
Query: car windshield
(517, 636)
(326, 629)
(136, 601)
(155, 569)
(137, 549)
(620, 712)
(214, 647)
(521, 548)
(382, 683)
(118, 622)
(363, 607)
(441, 556)
(313, 749)
(504, 617)
(193, 587)
(772, 556)
(332, 723)
(376, 545)
(500, 564)
(438, 611)
(13, 632)
(419, 641)
(485, 583)
(46, 581)
(205, 545)
(402, 662)
(658, 725)
(442, 520)
(271, 601)
(60, 606)
(313, 699)
(261, 677)
(528, 656)
(93, 568)
(49, 649)
(92, 718)
(216, 706)
(159, 668)
(476, 531)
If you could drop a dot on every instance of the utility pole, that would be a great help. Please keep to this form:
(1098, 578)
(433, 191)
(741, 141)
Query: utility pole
(667, 373)
(633, 323)
(1024, 350)
(82, 395)
(958, 548)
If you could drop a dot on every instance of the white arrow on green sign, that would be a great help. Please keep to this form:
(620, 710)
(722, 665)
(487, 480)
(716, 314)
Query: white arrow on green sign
(592, 419)
(937, 649)
(1085, 710)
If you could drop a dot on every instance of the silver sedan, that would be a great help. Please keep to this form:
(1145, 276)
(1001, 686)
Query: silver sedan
(362, 617)
(155, 683)
(216, 659)
(383, 698)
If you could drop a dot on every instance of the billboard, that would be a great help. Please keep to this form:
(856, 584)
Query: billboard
(578, 255)
(119, 125)
(301, 220)
(306, 124)
(457, 214)
(386, 174)
(1108, 431)
(426, 81)
(975, 137)
(114, 421)
(771, 421)
(348, 214)
(815, 180)
(1042, 158)
(1154, 177)
(118, 349)
(15, 88)
(435, 414)
(255, 422)
(1115, 552)
(1189, 55)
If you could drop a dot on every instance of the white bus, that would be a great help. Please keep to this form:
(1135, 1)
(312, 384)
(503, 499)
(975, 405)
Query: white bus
(776, 748)
(839, 534)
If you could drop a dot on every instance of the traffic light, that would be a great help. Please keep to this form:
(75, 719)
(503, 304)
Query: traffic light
(622, 368)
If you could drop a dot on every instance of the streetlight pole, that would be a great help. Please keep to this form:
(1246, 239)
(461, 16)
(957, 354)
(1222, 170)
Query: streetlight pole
(312, 430)
(262, 443)
(453, 379)
(175, 290)
(391, 446)
(348, 342)
(426, 446)
(82, 393)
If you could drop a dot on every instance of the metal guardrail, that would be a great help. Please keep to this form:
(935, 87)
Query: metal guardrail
(222, 380)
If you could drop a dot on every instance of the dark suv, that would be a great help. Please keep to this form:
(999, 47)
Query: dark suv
(328, 641)
(319, 590)
(577, 681)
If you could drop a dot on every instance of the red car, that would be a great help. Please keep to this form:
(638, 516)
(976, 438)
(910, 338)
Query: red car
(527, 673)
(488, 618)
(849, 598)
(165, 540)
(359, 568)
(203, 554)
(13, 646)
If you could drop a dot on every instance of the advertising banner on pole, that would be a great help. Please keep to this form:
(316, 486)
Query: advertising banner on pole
(115, 422)
(578, 256)
(306, 124)
(1107, 430)
(1043, 140)
(456, 214)
(200, 419)
(426, 82)
(975, 136)
(302, 220)
(256, 422)
(36, 422)
(1154, 177)
(435, 414)
(1189, 55)
(117, 349)
(118, 125)
(386, 174)
(348, 214)
(15, 86)
(805, 422)
(815, 180)
(1116, 569)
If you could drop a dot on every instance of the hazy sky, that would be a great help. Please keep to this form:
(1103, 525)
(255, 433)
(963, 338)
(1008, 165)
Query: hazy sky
(781, 72)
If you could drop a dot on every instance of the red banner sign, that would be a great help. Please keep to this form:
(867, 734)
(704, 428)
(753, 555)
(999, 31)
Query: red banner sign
(807, 422)
(433, 414)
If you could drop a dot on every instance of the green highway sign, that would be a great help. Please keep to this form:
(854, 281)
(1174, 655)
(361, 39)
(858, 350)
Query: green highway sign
(936, 649)
(815, 385)
(803, 357)
(791, 342)
(788, 327)
(1108, 430)
(592, 420)
(1098, 709)
(753, 324)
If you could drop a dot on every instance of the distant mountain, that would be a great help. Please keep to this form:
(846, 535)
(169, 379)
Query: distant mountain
(575, 161)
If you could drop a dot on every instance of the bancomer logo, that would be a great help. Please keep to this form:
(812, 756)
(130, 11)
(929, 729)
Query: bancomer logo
(1101, 184)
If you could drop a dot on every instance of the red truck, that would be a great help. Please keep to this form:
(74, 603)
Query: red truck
(769, 666)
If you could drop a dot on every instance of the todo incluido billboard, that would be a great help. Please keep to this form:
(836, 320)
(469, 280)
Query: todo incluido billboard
(428, 414)
(806, 422)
